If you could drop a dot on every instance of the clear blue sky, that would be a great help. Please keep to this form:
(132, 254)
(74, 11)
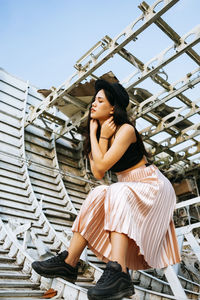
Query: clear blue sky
(42, 39)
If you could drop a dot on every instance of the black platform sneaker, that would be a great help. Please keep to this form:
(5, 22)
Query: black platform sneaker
(113, 284)
(56, 267)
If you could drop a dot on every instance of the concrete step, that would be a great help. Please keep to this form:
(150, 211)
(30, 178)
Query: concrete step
(11, 165)
(47, 175)
(77, 194)
(60, 215)
(5, 217)
(76, 171)
(25, 207)
(14, 190)
(60, 227)
(10, 130)
(50, 200)
(10, 141)
(6, 259)
(17, 104)
(77, 206)
(42, 178)
(39, 141)
(3, 251)
(6, 119)
(82, 279)
(9, 267)
(20, 293)
(51, 186)
(25, 298)
(147, 281)
(73, 180)
(70, 144)
(65, 160)
(14, 197)
(12, 182)
(76, 199)
(14, 275)
(40, 152)
(11, 111)
(11, 176)
(43, 190)
(43, 161)
(18, 284)
(58, 208)
(17, 213)
(46, 242)
(69, 155)
(74, 187)
(64, 224)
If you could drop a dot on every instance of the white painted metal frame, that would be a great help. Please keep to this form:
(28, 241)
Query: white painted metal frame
(159, 98)
(160, 59)
(100, 53)
(187, 232)
(92, 64)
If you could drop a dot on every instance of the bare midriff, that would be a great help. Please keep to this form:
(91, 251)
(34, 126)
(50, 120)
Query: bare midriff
(140, 164)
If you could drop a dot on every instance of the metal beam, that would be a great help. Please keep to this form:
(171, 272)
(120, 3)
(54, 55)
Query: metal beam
(188, 202)
(158, 79)
(183, 136)
(150, 70)
(154, 101)
(128, 34)
(169, 121)
(75, 101)
(167, 86)
(171, 33)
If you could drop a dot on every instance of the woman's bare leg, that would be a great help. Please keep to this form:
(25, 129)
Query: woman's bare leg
(119, 243)
(77, 245)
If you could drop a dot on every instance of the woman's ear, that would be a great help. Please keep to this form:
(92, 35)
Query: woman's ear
(112, 111)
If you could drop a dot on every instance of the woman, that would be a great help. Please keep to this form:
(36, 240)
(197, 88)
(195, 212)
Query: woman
(129, 223)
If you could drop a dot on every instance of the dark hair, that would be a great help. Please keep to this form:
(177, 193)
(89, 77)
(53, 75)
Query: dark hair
(120, 117)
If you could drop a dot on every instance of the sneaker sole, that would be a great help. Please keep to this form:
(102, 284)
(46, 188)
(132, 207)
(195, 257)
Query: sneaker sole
(117, 296)
(55, 276)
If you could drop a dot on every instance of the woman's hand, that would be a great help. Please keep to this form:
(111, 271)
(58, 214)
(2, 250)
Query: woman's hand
(93, 127)
(108, 128)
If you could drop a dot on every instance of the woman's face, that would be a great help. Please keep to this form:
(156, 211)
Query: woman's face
(101, 108)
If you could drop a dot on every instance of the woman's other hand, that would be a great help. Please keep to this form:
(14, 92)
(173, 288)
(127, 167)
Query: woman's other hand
(108, 128)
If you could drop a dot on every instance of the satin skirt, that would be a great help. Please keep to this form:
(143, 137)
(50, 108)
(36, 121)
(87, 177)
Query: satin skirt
(140, 205)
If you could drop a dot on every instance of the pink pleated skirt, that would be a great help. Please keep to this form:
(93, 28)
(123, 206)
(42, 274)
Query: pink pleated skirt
(140, 205)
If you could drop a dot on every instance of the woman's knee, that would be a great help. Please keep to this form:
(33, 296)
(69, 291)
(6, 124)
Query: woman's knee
(116, 191)
(99, 189)
(117, 188)
(96, 194)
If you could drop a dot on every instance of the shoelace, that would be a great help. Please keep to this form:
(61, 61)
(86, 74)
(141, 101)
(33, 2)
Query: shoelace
(58, 258)
(108, 272)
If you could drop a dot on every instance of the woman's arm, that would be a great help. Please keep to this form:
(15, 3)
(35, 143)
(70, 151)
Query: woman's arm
(107, 129)
(103, 162)
(97, 174)
(103, 145)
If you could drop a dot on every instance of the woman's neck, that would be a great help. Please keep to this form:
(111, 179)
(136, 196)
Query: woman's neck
(101, 122)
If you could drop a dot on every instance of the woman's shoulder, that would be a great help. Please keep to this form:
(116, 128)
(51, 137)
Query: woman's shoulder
(128, 128)
(127, 131)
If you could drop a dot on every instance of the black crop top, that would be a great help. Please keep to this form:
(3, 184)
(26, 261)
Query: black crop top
(130, 158)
